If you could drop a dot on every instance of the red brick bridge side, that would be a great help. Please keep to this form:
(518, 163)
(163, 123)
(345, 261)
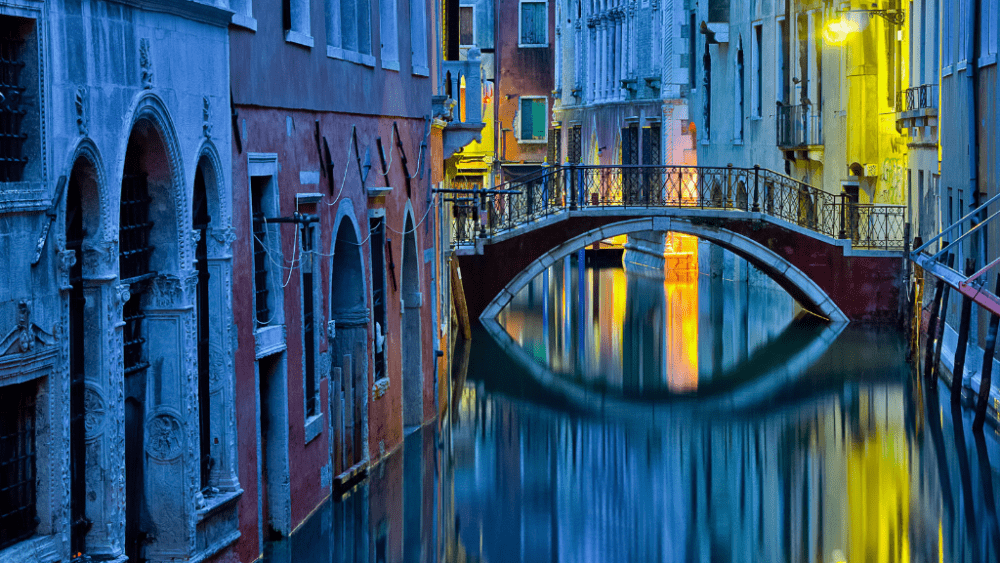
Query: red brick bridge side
(864, 285)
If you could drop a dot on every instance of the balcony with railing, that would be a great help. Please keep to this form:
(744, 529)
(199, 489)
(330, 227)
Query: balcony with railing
(917, 106)
(799, 127)
(460, 102)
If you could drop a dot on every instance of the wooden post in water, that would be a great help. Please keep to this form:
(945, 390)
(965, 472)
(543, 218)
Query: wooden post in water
(957, 374)
(942, 323)
(458, 292)
(985, 380)
(932, 333)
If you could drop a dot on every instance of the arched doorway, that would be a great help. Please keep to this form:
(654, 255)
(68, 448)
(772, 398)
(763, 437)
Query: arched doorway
(410, 334)
(82, 224)
(148, 264)
(348, 349)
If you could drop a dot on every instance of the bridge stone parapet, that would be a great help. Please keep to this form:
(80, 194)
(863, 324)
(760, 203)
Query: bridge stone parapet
(827, 276)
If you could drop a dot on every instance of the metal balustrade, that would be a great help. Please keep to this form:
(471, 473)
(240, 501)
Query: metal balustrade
(739, 190)
(799, 126)
(918, 97)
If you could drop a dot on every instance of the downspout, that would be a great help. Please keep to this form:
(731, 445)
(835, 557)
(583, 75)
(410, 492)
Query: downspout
(973, 113)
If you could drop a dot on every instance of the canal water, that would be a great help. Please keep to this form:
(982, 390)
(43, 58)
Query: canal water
(611, 415)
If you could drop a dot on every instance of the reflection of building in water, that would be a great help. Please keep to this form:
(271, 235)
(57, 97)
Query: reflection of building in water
(830, 478)
(633, 332)
(740, 310)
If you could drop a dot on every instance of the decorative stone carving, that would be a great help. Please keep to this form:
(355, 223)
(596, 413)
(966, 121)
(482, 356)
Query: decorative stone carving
(100, 260)
(94, 412)
(82, 119)
(26, 335)
(67, 259)
(165, 437)
(166, 292)
(146, 64)
(206, 117)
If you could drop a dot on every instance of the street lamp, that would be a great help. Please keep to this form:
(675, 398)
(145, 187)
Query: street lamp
(836, 31)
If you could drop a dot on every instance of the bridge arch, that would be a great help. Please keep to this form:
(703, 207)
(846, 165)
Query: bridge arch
(805, 290)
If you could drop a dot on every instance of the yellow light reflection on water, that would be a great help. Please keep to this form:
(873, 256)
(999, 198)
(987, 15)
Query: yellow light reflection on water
(681, 288)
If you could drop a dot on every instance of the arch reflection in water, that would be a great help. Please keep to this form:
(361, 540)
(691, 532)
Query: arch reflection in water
(647, 330)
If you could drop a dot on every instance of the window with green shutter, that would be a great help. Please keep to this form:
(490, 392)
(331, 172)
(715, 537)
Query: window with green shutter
(533, 114)
(534, 24)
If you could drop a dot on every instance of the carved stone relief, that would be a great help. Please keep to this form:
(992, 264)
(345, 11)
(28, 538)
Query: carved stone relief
(94, 408)
(24, 337)
(67, 259)
(206, 116)
(145, 64)
(82, 119)
(165, 437)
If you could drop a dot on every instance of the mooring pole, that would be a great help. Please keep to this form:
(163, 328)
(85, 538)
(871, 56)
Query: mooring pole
(986, 378)
(942, 323)
(963, 339)
(932, 333)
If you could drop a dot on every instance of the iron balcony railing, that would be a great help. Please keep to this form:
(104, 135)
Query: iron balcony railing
(918, 97)
(799, 126)
(740, 190)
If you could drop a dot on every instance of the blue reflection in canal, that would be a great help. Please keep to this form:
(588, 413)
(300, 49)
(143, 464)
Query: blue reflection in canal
(778, 438)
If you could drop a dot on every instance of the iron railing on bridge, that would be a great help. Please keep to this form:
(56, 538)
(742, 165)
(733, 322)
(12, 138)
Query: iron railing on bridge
(560, 188)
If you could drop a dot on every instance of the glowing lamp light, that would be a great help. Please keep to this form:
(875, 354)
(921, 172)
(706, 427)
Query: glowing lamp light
(836, 32)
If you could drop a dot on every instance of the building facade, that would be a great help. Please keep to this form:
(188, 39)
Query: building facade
(777, 88)
(342, 114)
(621, 83)
(118, 417)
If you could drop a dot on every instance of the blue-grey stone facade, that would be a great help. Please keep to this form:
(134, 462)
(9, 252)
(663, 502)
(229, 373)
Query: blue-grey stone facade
(112, 91)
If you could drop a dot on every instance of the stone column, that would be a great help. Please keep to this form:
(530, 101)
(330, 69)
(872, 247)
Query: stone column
(171, 410)
(222, 349)
(104, 401)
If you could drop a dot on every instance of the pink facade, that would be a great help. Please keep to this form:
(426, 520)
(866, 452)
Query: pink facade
(298, 108)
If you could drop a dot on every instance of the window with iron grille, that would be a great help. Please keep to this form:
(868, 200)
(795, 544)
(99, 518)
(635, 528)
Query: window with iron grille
(376, 226)
(134, 250)
(261, 278)
(574, 152)
(651, 145)
(18, 518)
(309, 329)
(201, 224)
(466, 26)
(534, 24)
(14, 104)
(555, 136)
(630, 156)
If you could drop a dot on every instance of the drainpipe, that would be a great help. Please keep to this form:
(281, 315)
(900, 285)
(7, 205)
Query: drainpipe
(973, 110)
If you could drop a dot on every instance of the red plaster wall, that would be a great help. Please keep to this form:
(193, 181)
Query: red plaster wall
(267, 133)
(522, 72)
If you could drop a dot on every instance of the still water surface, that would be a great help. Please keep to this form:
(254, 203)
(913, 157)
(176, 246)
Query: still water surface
(694, 418)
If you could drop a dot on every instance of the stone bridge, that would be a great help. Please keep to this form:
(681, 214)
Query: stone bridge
(839, 259)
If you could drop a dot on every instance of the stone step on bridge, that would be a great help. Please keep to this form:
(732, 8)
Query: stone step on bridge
(841, 260)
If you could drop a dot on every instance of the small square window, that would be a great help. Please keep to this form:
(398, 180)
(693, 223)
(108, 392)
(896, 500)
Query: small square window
(534, 24)
(533, 114)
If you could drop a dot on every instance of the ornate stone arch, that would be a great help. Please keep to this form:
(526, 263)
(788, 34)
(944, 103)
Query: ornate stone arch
(150, 108)
(86, 149)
